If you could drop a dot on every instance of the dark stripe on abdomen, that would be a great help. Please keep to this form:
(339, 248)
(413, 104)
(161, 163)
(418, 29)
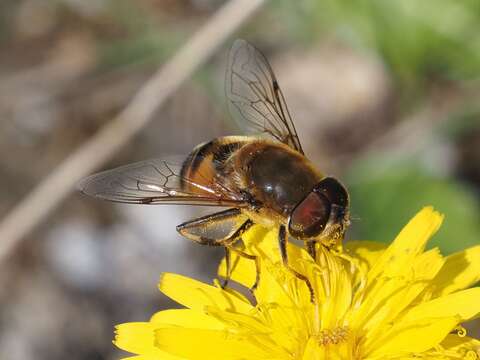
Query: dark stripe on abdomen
(194, 160)
(212, 155)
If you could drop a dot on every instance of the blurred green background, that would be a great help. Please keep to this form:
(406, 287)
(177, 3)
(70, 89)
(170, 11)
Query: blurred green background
(385, 95)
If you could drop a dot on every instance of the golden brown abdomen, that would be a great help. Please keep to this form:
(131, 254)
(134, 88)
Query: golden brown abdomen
(205, 164)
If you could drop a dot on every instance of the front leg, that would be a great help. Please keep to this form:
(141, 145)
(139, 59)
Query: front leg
(312, 249)
(282, 241)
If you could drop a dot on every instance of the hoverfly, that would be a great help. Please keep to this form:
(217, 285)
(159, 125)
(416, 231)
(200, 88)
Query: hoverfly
(263, 180)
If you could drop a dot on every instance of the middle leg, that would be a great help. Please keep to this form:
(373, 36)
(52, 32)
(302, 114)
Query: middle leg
(282, 240)
(312, 249)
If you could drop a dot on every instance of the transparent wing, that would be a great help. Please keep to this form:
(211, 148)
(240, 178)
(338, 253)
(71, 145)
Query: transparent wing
(156, 182)
(254, 96)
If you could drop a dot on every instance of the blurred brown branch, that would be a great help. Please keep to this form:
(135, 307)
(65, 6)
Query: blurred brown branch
(49, 193)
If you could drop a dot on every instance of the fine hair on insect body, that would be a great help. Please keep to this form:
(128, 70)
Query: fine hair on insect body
(261, 178)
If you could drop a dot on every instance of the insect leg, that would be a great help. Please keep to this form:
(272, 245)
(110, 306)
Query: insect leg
(204, 229)
(257, 265)
(229, 245)
(282, 240)
(312, 249)
(227, 268)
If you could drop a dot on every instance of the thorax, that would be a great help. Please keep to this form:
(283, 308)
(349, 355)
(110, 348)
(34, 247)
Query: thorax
(276, 177)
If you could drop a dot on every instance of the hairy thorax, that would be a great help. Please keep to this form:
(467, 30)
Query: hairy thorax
(275, 177)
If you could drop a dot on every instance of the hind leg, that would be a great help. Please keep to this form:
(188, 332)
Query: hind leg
(256, 259)
(205, 230)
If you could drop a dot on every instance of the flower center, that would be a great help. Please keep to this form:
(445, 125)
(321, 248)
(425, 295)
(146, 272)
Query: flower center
(332, 336)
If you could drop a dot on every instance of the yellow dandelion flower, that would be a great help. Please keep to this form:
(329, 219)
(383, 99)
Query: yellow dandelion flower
(396, 302)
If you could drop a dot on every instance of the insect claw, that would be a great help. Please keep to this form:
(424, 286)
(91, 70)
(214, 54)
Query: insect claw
(224, 284)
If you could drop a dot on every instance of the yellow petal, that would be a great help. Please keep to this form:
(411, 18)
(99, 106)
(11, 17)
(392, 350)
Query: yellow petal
(288, 325)
(333, 288)
(281, 328)
(199, 344)
(243, 270)
(277, 284)
(262, 243)
(196, 295)
(165, 356)
(135, 337)
(410, 242)
(413, 337)
(139, 338)
(463, 304)
(312, 350)
(460, 271)
(272, 286)
(396, 295)
(395, 268)
(368, 252)
(260, 240)
(186, 318)
(234, 319)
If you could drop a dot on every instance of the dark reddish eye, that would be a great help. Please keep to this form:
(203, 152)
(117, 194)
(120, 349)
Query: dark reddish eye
(333, 191)
(310, 216)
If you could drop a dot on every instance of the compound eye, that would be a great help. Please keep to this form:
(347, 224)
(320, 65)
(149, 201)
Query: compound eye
(333, 190)
(309, 217)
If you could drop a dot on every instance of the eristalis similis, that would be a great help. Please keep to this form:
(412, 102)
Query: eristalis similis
(264, 180)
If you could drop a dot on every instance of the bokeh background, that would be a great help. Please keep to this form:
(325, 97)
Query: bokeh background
(385, 96)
